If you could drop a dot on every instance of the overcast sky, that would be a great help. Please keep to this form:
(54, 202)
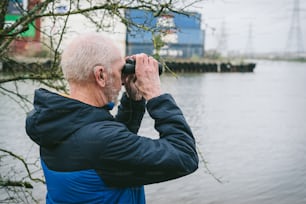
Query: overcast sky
(270, 21)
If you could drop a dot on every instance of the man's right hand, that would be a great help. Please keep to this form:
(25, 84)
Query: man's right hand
(147, 76)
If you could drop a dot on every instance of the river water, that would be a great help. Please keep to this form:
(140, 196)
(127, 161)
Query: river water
(250, 129)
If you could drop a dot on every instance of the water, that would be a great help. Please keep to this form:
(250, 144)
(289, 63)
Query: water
(250, 128)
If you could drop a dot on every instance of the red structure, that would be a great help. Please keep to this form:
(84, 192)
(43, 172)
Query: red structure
(26, 44)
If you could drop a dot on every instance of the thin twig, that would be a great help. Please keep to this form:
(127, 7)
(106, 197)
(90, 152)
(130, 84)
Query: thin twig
(24, 163)
(205, 163)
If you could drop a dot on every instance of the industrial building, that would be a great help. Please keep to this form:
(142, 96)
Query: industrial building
(182, 34)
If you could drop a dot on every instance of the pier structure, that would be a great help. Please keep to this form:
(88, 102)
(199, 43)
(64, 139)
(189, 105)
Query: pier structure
(175, 66)
(203, 67)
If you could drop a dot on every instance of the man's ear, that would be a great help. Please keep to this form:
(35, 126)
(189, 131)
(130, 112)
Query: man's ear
(100, 75)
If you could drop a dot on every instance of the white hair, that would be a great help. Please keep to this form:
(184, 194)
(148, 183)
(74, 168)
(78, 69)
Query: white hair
(85, 52)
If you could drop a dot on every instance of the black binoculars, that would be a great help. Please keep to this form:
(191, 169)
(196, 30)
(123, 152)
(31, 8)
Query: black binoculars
(129, 67)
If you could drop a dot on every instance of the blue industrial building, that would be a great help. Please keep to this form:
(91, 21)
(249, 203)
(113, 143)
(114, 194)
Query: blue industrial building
(182, 34)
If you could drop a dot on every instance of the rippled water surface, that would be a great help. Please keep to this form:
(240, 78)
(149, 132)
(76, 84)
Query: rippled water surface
(250, 129)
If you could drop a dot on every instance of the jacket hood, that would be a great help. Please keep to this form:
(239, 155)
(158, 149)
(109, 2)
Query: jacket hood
(56, 117)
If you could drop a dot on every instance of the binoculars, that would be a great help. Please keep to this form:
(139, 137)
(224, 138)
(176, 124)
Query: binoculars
(129, 67)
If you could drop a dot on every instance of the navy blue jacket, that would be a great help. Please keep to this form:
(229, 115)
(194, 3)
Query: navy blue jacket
(89, 156)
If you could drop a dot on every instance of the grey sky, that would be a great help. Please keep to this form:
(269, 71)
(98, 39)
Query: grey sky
(270, 20)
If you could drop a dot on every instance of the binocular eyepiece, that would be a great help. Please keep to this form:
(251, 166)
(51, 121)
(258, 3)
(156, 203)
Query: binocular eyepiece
(129, 67)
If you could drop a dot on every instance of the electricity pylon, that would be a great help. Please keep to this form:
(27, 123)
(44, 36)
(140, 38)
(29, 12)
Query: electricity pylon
(249, 49)
(295, 40)
(222, 41)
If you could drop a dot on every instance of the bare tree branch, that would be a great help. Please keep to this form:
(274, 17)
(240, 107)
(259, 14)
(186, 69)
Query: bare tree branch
(24, 164)
(25, 19)
(3, 11)
(7, 183)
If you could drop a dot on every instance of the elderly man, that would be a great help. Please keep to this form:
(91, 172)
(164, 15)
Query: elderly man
(89, 156)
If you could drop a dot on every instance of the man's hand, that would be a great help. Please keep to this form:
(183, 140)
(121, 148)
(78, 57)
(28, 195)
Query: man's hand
(130, 87)
(147, 76)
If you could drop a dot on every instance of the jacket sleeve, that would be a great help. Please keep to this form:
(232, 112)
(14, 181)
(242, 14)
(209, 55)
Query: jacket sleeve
(130, 113)
(124, 159)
